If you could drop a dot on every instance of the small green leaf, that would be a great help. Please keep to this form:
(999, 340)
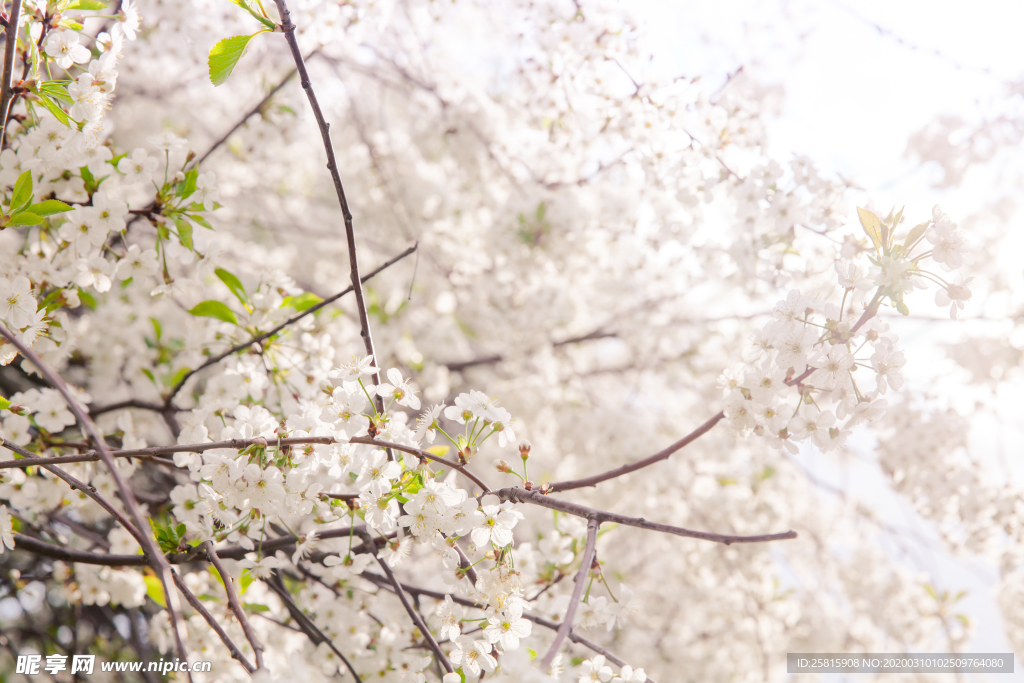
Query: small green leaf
(233, 283)
(4, 403)
(155, 590)
(224, 55)
(200, 220)
(438, 450)
(184, 232)
(56, 90)
(303, 301)
(188, 186)
(55, 109)
(22, 195)
(244, 581)
(253, 607)
(872, 226)
(26, 218)
(50, 207)
(87, 299)
(214, 309)
(902, 308)
(914, 235)
(172, 380)
(85, 4)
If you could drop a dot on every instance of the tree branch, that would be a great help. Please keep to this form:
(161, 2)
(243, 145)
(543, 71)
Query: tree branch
(224, 637)
(159, 562)
(332, 165)
(415, 616)
(518, 495)
(234, 604)
(306, 624)
(260, 337)
(577, 593)
(422, 455)
(10, 48)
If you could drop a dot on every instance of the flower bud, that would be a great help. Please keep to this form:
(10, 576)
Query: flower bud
(502, 466)
(524, 449)
(179, 177)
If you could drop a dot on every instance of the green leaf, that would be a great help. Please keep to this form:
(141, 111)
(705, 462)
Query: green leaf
(4, 403)
(87, 178)
(244, 581)
(87, 299)
(184, 232)
(56, 90)
(895, 223)
(188, 186)
(438, 450)
(915, 234)
(155, 590)
(902, 308)
(303, 301)
(26, 218)
(85, 4)
(253, 607)
(55, 109)
(233, 283)
(200, 220)
(214, 309)
(22, 195)
(50, 207)
(172, 380)
(872, 226)
(224, 55)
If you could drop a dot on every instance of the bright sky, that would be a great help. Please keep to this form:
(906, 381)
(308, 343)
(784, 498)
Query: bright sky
(853, 97)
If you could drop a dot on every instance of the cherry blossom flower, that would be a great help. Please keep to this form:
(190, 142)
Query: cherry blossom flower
(6, 529)
(260, 567)
(400, 389)
(65, 48)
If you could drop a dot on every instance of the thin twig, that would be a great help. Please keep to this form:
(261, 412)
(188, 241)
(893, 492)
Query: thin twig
(10, 48)
(436, 595)
(332, 165)
(260, 337)
(159, 562)
(234, 603)
(518, 495)
(248, 115)
(224, 637)
(577, 593)
(415, 616)
(423, 455)
(306, 624)
(869, 312)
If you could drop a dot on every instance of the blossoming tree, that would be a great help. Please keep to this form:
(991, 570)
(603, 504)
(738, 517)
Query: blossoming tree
(531, 358)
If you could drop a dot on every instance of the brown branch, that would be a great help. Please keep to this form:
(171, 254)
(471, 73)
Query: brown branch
(306, 625)
(577, 593)
(870, 311)
(233, 602)
(198, 607)
(422, 455)
(332, 165)
(10, 49)
(663, 454)
(159, 562)
(414, 615)
(34, 545)
(260, 337)
(518, 495)
(540, 621)
(248, 115)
